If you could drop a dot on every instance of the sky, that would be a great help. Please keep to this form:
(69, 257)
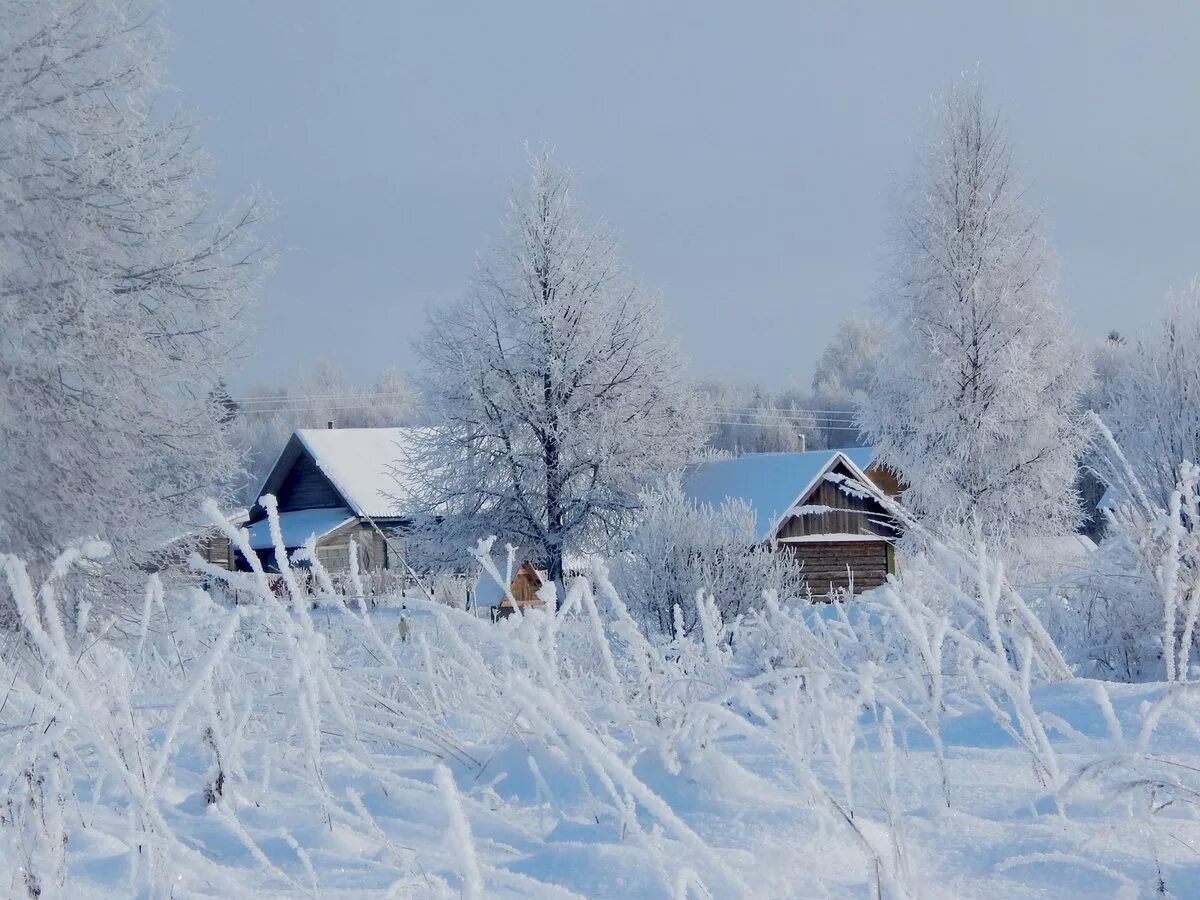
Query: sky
(749, 154)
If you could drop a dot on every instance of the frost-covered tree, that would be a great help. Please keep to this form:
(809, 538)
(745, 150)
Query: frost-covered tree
(557, 395)
(1155, 411)
(120, 289)
(847, 365)
(1109, 358)
(979, 384)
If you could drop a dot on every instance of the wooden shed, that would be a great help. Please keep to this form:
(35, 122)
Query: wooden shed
(804, 504)
(523, 588)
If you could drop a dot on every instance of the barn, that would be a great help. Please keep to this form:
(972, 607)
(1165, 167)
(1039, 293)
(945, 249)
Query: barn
(803, 505)
(337, 484)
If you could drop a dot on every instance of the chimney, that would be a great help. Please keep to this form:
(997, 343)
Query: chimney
(803, 442)
(329, 424)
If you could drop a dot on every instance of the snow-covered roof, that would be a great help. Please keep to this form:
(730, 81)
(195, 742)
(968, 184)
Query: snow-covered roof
(772, 483)
(366, 465)
(488, 591)
(298, 526)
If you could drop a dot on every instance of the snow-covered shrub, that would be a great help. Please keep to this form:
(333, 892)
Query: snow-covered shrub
(1155, 411)
(681, 549)
(1133, 615)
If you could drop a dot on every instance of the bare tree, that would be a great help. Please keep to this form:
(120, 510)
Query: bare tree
(120, 289)
(976, 400)
(558, 398)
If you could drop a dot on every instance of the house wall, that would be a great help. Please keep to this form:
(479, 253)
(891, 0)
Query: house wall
(333, 550)
(831, 564)
(217, 550)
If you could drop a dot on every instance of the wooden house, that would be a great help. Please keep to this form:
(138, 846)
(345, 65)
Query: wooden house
(803, 503)
(525, 584)
(334, 485)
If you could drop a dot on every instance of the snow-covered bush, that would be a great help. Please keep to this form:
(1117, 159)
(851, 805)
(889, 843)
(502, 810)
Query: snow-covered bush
(1133, 614)
(681, 550)
(1155, 413)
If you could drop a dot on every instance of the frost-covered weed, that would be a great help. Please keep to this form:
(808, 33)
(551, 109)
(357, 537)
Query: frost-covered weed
(245, 748)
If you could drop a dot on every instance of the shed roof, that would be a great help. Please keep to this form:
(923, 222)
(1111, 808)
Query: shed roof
(772, 483)
(489, 592)
(298, 526)
(366, 465)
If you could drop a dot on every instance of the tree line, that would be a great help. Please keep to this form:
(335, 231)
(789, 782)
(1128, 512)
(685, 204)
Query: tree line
(559, 394)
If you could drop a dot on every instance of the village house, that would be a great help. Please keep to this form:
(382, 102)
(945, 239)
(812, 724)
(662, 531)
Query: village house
(802, 505)
(335, 485)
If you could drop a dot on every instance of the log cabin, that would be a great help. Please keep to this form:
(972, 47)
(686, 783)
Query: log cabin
(337, 484)
(803, 504)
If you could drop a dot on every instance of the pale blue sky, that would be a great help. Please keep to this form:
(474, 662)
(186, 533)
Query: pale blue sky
(745, 151)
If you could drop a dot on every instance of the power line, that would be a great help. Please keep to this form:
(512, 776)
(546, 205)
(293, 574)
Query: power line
(766, 417)
(784, 411)
(305, 398)
(833, 426)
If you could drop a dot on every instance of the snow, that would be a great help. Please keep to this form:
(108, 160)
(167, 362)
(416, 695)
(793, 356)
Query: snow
(313, 745)
(833, 536)
(772, 483)
(488, 592)
(367, 465)
(298, 526)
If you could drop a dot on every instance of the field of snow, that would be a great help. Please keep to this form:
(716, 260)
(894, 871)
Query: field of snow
(283, 748)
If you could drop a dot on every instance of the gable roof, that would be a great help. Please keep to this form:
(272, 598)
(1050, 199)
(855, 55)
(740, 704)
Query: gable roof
(772, 483)
(360, 463)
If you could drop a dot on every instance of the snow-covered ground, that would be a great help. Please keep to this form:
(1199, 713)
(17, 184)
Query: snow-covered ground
(276, 749)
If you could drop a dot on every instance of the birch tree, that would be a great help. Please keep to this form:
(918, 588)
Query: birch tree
(846, 367)
(120, 287)
(976, 399)
(558, 397)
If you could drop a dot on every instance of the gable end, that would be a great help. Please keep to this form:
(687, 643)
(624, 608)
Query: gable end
(828, 510)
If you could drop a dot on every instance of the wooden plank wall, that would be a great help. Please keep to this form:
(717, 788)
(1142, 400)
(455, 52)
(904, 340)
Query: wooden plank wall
(306, 487)
(825, 564)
